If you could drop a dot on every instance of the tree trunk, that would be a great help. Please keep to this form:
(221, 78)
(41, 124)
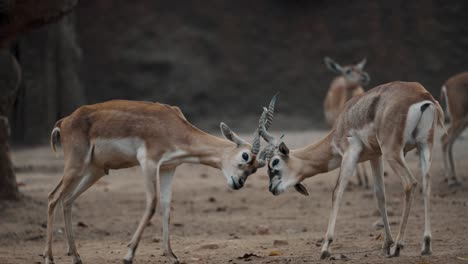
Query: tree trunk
(10, 76)
(51, 88)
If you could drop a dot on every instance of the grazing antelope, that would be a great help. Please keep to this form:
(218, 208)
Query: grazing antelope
(381, 124)
(122, 134)
(455, 96)
(343, 88)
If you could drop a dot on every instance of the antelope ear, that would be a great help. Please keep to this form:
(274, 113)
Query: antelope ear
(333, 66)
(300, 188)
(226, 131)
(361, 64)
(283, 148)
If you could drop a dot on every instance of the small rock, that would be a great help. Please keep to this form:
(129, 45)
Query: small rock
(210, 246)
(263, 230)
(81, 224)
(156, 240)
(204, 175)
(279, 243)
(211, 200)
(33, 238)
(275, 253)
(248, 256)
(178, 224)
(221, 209)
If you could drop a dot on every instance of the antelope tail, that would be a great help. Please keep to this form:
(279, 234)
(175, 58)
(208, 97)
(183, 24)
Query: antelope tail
(441, 117)
(55, 135)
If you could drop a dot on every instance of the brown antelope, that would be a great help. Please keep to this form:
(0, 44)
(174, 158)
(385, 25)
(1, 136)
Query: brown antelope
(121, 134)
(343, 88)
(382, 124)
(455, 96)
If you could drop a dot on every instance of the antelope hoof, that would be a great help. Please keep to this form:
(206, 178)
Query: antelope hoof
(427, 248)
(395, 250)
(49, 260)
(172, 258)
(77, 260)
(126, 261)
(386, 247)
(325, 254)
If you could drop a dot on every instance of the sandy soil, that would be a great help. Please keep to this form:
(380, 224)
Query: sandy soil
(211, 224)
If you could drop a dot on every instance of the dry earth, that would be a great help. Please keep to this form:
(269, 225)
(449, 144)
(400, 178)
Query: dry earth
(211, 224)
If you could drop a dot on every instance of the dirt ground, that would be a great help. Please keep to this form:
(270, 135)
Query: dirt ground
(212, 224)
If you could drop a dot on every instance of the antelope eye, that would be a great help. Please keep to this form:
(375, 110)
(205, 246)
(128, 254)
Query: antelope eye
(245, 156)
(348, 71)
(275, 162)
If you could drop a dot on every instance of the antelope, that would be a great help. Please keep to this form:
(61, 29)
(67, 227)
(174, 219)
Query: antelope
(343, 88)
(381, 124)
(121, 134)
(454, 94)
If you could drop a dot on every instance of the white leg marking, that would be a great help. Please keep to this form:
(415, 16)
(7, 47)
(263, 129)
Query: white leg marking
(425, 160)
(151, 175)
(166, 196)
(348, 167)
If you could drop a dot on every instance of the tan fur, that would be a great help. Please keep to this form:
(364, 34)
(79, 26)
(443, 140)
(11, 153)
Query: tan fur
(456, 98)
(121, 134)
(343, 88)
(338, 94)
(372, 126)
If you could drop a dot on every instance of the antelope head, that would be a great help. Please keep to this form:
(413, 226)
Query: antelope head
(354, 74)
(284, 170)
(242, 161)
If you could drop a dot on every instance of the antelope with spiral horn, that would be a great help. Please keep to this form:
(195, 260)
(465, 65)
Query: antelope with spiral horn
(121, 134)
(381, 124)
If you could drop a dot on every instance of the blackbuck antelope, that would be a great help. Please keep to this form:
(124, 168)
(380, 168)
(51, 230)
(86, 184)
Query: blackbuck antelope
(349, 83)
(455, 96)
(121, 134)
(381, 124)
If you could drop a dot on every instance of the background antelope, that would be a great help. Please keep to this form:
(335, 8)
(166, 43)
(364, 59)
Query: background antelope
(382, 124)
(121, 134)
(455, 96)
(349, 83)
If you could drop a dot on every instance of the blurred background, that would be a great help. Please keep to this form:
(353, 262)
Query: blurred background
(218, 60)
(223, 60)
